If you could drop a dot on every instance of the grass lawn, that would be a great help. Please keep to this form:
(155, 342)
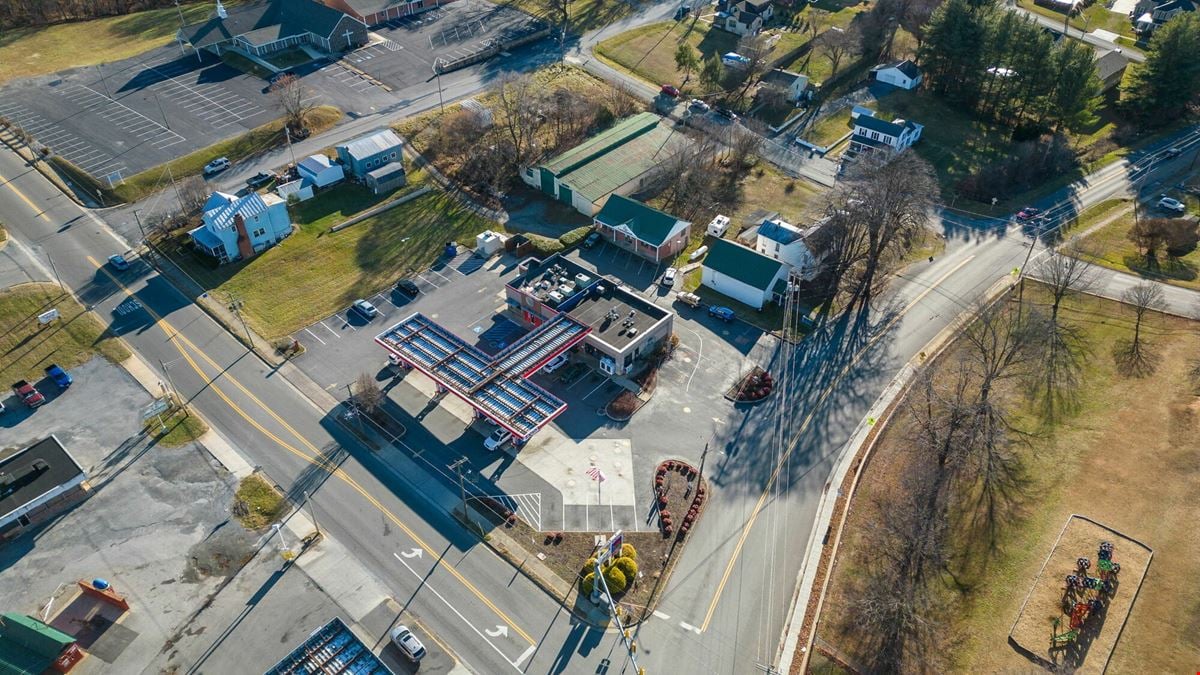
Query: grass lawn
(314, 272)
(828, 130)
(649, 51)
(1110, 246)
(182, 427)
(287, 58)
(26, 347)
(25, 52)
(1094, 17)
(257, 140)
(583, 15)
(257, 504)
(1104, 461)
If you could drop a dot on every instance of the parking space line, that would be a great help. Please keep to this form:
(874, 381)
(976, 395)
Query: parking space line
(335, 333)
(422, 277)
(443, 276)
(314, 336)
(606, 381)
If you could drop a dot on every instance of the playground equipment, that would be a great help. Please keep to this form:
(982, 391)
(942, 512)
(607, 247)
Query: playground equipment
(1081, 584)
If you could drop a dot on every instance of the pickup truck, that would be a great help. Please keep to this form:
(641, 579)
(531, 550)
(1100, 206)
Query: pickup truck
(28, 394)
(62, 379)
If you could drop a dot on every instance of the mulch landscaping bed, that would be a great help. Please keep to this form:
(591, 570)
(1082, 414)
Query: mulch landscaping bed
(1049, 599)
(755, 386)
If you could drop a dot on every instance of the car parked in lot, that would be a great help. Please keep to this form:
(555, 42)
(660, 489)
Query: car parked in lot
(723, 313)
(689, 299)
(261, 179)
(727, 114)
(408, 287)
(118, 262)
(669, 90)
(28, 394)
(365, 309)
(498, 439)
(572, 373)
(1027, 213)
(62, 379)
(216, 166)
(668, 278)
(408, 643)
(1171, 204)
(591, 240)
(555, 363)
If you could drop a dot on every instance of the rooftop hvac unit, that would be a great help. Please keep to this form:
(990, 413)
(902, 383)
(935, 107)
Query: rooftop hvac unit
(582, 279)
(631, 332)
(555, 297)
(566, 289)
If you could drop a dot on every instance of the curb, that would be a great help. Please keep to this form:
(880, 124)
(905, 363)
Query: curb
(822, 552)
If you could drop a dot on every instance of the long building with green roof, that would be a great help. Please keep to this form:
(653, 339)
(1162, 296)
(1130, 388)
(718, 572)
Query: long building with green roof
(617, 160)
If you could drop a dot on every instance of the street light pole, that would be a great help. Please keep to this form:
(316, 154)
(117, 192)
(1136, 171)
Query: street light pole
(170, 382)
(235, 304)
(161, 112)
(462, 488)
(311, 512)
(438, 74)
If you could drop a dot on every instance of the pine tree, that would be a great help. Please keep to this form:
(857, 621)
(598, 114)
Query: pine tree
(1160, 89)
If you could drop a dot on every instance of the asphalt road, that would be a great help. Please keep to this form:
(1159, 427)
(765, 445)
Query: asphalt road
(1101, 46)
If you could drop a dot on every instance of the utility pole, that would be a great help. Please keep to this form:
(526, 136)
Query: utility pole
(167, 373)
(235, 304)
(357, 412)
(288, 132)
(311, 513)
(171, 175)
(179, 9)
(438, 74)
(54, 269)
(161, 112)
(103, 81)
(456, 466)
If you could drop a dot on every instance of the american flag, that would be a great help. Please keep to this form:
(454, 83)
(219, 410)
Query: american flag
(595, 473)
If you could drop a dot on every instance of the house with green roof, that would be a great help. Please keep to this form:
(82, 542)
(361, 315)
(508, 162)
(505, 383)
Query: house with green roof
(642, 229)
(616, 161)
(742, 273)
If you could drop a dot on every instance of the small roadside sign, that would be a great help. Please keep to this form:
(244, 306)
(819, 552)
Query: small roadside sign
(46, 317)
(158, 407)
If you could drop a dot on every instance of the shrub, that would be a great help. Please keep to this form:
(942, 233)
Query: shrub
(587, 583)
(1179, 236)
(628, 551)
(574, 236)
(628, 567)
(544, 246)
(615, 579)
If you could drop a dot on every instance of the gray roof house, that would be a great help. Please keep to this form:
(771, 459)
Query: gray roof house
(268, 26)
(369, 152)
(871, 133)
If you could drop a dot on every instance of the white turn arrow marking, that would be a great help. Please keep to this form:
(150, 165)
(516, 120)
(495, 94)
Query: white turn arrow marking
(413, 553)
(500, 630)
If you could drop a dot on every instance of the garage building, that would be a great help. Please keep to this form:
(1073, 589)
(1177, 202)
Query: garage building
(743, 274)
(262, 28)
(618, 161)
(37, 483)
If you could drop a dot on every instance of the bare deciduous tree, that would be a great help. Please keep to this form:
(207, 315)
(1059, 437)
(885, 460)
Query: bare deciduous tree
(193, 192)
(837, 44)
(743, 148)
(294, 99)
(519, 115)
(367, 394)
(1134, 355)
(1056, 384)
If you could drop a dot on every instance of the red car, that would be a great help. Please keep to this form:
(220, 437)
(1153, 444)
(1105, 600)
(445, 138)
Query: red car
(28, 394)
(670, 90)
(1027, 213)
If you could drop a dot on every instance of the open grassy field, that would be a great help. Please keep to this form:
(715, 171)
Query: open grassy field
(315, 272)
(1110, 246)
(1126, 457)
(26, 52)
(26, 346)
(828, 130)
(649, 51)
(257, 140)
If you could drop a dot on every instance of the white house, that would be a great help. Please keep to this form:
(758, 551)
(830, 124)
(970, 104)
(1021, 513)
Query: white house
(746, 17)
(743, 274)
(871, 133)
(794, 84)
(904, 74)
(237, 228)
(320, 171)
(782, 241)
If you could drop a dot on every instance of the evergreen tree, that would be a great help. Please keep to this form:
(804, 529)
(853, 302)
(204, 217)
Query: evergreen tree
(952, 54)
(1160, 89)
(686, 60)
(1073, 102)
(711, 73)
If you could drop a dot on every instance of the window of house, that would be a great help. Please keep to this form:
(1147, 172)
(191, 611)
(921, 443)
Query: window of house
(874, 135)
(259, 232)
(777, 247)
(393, 155)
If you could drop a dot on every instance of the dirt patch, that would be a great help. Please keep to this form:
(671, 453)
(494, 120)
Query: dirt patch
(221, 554)
(1074, 626)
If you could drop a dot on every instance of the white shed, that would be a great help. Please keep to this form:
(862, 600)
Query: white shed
(320, 171)
(904, 74)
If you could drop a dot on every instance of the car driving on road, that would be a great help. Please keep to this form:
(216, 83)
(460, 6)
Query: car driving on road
(118, 262)
(1027, 213)
(260, 179)
(216, 166)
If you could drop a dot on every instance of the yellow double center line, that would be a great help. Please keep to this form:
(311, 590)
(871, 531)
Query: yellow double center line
(180, 341)
(737, 551)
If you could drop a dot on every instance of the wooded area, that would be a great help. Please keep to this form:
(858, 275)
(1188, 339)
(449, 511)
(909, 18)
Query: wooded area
(29, 13)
